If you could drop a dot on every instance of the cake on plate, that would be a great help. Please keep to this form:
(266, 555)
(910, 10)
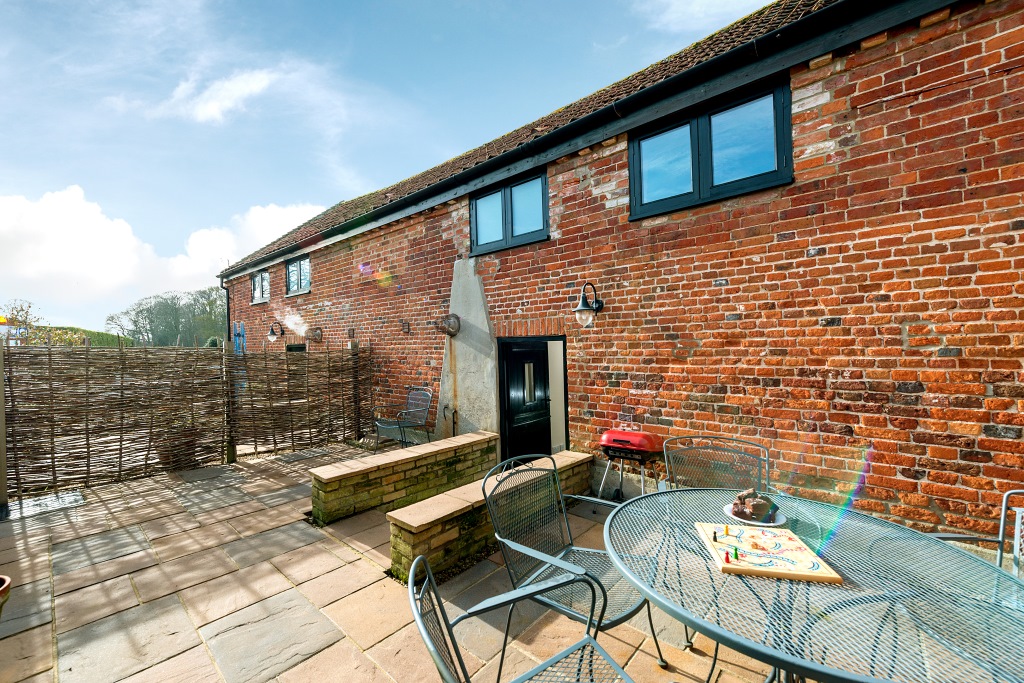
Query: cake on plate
(753, 506)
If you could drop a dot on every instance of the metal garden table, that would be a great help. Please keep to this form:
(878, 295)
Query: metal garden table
(911, 608)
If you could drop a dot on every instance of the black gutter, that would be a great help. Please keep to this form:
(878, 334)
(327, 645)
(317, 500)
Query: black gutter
(835, 20)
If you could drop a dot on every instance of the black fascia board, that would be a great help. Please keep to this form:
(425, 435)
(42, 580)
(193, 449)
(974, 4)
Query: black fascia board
(830, 28)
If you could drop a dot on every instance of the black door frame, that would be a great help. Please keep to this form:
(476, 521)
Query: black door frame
(503, 397)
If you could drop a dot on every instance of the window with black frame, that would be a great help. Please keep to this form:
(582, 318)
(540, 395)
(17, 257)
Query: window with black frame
(260, 287)
(510, 215)
(711, 154)
(297, 275)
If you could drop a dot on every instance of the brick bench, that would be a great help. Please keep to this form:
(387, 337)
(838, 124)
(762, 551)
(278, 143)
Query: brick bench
(386, 481)
(454, 525)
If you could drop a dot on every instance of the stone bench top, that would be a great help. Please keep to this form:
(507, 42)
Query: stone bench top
(427, 451)
(444, 506)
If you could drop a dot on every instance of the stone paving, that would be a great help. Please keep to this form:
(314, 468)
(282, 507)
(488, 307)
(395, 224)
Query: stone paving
(214, 575)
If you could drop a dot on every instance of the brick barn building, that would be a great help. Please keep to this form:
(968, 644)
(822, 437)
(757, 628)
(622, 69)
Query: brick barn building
(806, 229)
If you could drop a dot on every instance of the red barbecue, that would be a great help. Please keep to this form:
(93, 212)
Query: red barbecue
(637, 447)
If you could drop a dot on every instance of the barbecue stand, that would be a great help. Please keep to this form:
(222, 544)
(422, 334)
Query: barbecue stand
(637, 447)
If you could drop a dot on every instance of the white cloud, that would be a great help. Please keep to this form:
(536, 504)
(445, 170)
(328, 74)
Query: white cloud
(211, 103)
(63, 253)
(696, 17)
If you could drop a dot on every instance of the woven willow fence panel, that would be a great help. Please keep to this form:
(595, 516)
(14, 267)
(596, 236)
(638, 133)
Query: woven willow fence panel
(79, 416)
(300, 400)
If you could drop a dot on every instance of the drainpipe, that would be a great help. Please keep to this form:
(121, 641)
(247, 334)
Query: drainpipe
(227, 299)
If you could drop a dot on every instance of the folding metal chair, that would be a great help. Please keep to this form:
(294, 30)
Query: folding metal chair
(398, 421)
(706, 461)
(583, 661)
(1016, 541)
(709, 461)
(527, 509)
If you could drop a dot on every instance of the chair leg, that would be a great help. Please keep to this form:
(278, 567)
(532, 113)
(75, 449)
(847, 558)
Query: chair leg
(654, 634)
(714, 663)
(504, 643)
(600, 491)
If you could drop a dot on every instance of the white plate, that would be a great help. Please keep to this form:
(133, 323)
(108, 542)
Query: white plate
(780, 518)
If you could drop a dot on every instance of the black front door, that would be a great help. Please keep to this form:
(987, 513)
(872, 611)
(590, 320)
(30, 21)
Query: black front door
(525, 398)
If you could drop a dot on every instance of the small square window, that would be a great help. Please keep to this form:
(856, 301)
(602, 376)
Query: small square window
(743, 141)
(260, 287)
(510, 216)
(666, 164)
(711, 154)
(297, 274)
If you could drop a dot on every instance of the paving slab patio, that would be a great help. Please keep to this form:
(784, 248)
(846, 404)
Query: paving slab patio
(260, 641)
(100, 547)
(214, 575)
(27, 607)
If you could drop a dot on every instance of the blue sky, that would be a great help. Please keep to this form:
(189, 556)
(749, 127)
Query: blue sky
(143, 146)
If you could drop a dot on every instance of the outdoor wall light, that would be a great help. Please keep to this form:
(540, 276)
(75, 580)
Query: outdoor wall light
(271, 337)
(585, 311)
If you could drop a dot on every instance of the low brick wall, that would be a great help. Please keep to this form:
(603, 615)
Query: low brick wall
(391, 480)
(453, 526)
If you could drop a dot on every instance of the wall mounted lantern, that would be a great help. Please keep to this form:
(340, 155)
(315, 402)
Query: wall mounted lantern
(449, 324)
(585, 311)
(271, 337)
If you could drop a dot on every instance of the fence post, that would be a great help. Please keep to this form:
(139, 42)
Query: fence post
(355, 389)
(231, 450)
(5, 508)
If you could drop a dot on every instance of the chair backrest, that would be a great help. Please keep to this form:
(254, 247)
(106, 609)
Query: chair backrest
(417, 405)
(716, 462)
(524, 499)
(433, 624)
(1017, 541)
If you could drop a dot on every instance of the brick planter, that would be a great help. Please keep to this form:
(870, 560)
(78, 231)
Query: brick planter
(454, 526)
(391, 480)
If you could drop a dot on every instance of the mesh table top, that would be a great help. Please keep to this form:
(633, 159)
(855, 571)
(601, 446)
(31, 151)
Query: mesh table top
(911, 608)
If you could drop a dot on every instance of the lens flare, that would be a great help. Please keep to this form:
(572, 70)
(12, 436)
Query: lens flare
(383, 278)
(828, 530)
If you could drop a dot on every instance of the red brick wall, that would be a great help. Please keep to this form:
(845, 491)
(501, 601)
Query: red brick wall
(370, 284)
(865, 322)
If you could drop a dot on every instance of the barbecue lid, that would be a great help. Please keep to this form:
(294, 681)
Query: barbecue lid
(634, 441)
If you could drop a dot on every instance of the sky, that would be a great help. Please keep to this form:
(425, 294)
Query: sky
(144, 146)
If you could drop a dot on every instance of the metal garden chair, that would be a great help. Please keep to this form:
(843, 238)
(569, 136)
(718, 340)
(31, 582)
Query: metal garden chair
(527, 508)
(704, 461)
(1016, 541)
(398, 421)
(583, 661)
(708, 461)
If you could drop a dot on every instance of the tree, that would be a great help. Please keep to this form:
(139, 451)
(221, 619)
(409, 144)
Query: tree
(173, 318)
(20, 314)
